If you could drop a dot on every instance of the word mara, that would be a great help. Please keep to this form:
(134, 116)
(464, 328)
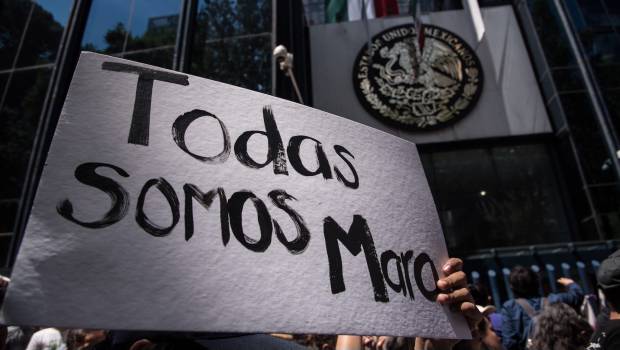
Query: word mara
(357, 239)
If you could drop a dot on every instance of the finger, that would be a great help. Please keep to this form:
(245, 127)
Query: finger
(366, 340)
(453, 281)
(472, 314)
(458, 296)
(452, 265)
(418, 344)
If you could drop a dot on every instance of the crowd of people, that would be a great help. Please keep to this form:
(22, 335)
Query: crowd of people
(565, 320)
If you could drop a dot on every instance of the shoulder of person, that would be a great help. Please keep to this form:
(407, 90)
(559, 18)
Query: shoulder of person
(508, 303)
(48, 332)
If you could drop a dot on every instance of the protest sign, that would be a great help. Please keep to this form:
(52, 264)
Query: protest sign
(172, 202)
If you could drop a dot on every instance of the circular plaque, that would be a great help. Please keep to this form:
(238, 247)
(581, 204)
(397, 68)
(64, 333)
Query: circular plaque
(417, 89)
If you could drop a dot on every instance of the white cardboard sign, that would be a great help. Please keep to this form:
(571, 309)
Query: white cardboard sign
(172, 202)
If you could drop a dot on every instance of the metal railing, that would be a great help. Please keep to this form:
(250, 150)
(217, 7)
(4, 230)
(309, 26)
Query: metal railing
(577, 260)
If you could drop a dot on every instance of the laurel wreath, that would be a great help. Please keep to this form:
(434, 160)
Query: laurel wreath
(421, 121)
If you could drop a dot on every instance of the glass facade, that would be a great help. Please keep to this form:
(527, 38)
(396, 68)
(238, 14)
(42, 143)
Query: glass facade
(30, 33)
(587, 164)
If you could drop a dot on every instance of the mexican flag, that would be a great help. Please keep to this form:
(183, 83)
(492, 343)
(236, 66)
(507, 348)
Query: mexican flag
(354, 10)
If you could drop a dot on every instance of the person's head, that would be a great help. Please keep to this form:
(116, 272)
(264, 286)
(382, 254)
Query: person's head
(523, 282)
(608, 277)
(138, 340)
(559, 327)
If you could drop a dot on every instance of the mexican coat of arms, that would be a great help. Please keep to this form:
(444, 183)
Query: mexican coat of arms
(417, 84)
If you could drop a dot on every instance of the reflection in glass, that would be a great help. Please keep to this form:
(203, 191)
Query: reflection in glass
(244, 62)
(153, 24)
(161, 57)
(589, 140)
(43, 34)
(552, 37)
(105, 30)
(493, 197)
(18, 122)
(227, 18)
(602, 47)
(141, 30)
(232, 43)
(40, 43)
(587, 13)
(13, 15)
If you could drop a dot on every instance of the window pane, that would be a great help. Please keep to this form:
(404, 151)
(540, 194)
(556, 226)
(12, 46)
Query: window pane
(608, 75)
(612, 97)
(228, 18)
(18, 123)
(613, 8)
(588, 138)
(106, 27)
(590, 13)
(232, 43)
(570, 174)
(568, 79)
(244, 62)
(44, 32)
(161, 57)
(13, 15)
(610, 223)
(551, 35)
(500, 196)
(154, 24)
(8, 210)
(130, 28)
(602, 47)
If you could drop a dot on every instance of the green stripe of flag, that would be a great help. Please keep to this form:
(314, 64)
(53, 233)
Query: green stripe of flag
(335, 11)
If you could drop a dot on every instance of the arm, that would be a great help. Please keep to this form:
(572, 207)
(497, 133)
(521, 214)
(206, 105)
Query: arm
(34, 343)
(510, 334)
(489, 337)
(349, 342)
(573, 295)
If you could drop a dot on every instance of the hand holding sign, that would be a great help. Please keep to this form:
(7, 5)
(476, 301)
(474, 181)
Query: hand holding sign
(145, 219)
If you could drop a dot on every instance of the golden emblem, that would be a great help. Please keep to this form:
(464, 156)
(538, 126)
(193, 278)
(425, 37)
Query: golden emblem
(414, 88)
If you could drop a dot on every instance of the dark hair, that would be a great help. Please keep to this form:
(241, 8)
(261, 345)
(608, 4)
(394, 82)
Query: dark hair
(479, 292)
(612, 295)
(523, 282)
(559, 327)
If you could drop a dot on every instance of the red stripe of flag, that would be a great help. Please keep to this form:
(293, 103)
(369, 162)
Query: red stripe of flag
(386, 8)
